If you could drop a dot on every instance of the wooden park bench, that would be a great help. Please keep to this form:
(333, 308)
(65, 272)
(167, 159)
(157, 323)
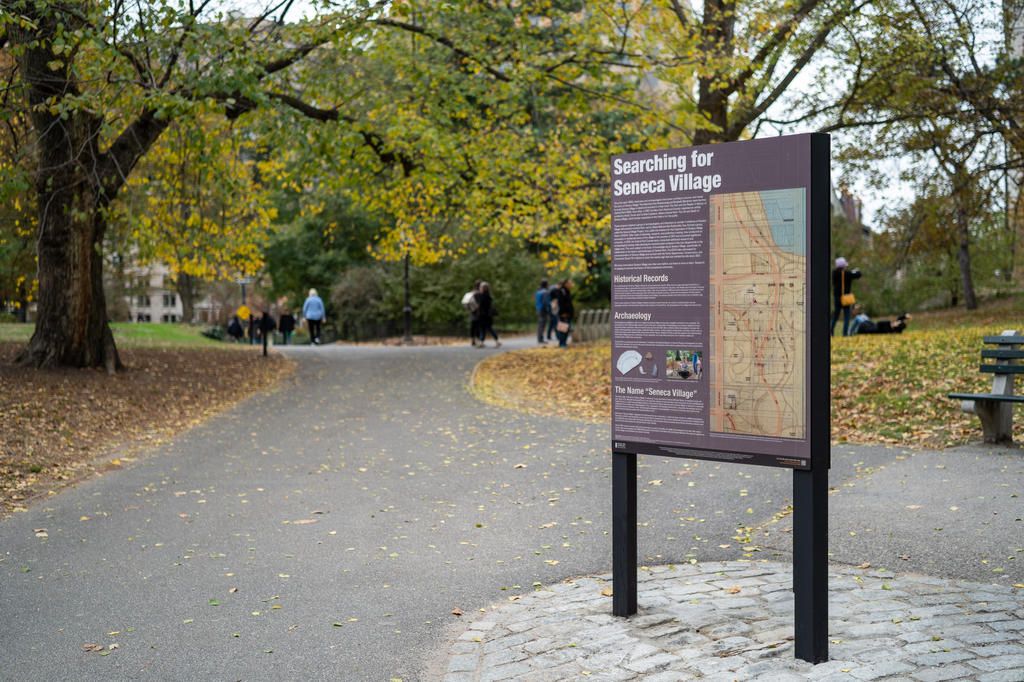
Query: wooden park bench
(996, 408)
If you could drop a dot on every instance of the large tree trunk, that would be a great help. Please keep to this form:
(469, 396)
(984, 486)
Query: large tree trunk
(963, 257)
(188, 291)
(75, 183)
(717, 43)
(71, 327)
(715, 107)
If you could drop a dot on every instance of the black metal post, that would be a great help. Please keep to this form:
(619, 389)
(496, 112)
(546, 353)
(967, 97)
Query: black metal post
(407, 339)
(810, 564)
(624, 533)
(264, 333)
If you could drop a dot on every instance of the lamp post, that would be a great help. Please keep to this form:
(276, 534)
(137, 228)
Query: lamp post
(243, 281)
(407, 309)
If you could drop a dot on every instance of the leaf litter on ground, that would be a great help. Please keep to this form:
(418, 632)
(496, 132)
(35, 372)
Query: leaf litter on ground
(56, 425)
(886, 389)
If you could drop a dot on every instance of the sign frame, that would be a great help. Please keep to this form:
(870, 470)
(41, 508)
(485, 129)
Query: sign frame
(810, 473)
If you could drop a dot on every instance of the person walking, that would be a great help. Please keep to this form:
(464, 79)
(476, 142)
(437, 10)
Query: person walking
(486, 313)
(267, 326)
(313, 312)
(842, 294)
(553, 310)
(469, 303)
(235, 330)
(542, 302)
(563, 298)
(286, 325)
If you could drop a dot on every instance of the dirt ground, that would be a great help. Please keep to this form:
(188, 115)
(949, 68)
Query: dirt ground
(59, 426)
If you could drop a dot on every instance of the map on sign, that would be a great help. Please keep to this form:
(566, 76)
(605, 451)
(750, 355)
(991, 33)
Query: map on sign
(757, 297)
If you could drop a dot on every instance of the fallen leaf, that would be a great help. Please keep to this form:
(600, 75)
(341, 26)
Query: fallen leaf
(607, 592)
(735, 589)
(92, 647)
(456, 611)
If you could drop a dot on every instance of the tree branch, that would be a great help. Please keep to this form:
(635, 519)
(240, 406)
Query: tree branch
(135, 140)
(445, 41)
(680, 12)
(743, 118)
(782, 33)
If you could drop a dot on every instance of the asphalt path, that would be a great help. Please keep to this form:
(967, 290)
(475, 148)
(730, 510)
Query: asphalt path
(329, 529)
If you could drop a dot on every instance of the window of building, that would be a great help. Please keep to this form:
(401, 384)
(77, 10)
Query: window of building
(170, 300)
(142, 300)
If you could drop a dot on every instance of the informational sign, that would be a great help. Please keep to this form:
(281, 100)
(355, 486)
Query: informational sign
(243, 312)
(719, 266)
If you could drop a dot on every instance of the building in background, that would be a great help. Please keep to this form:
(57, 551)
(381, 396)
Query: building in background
(151, 297)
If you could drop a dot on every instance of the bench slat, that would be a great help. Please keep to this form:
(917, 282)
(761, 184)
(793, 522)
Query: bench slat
(1003, 369)
(1004, 340)
(987, 396)
(1002, 354)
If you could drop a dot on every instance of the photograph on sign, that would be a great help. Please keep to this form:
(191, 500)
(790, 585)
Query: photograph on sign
(711, 288)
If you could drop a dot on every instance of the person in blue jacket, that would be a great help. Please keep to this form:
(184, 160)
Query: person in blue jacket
(313, 311)
(542, 302)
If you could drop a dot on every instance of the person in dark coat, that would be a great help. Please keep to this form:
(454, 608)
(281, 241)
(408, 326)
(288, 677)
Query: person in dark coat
(862, 324)
(553, 316)
(486, 313)
(286, 325)
(563, 295)
(469, 302)
(842, 284)
(235, 330)
(266, 325)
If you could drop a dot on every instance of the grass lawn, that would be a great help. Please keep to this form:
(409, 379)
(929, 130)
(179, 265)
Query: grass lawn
(885, 388)
(129, 334)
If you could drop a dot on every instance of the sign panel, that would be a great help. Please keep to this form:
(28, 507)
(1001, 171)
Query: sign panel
(720, 301)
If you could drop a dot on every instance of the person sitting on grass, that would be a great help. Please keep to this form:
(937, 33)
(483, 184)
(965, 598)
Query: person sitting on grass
(862, 324)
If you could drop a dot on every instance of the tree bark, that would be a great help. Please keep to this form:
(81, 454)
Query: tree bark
(71, 326)
(718, 36)
(187, 287)
(75, 183)
(963, 257)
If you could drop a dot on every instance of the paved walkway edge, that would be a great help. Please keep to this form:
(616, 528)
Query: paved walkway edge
(734, 621)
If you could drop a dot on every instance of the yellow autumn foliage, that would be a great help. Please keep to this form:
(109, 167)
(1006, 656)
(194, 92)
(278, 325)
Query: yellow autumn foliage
(196, 204)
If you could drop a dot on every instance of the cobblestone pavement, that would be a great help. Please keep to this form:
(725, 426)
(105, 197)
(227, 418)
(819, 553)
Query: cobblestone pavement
(734, 621)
